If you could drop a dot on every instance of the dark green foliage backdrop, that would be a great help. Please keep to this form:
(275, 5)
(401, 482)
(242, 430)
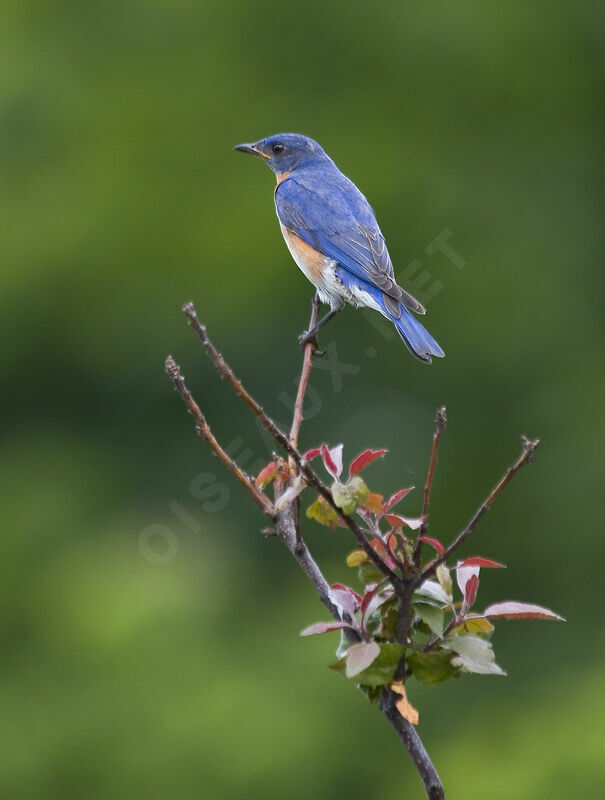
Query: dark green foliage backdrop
(120, 198)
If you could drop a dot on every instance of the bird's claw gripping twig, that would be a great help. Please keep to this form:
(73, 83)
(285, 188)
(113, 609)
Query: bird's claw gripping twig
(308, 337)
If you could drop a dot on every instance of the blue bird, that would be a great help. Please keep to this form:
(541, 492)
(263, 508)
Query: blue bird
(332, 234)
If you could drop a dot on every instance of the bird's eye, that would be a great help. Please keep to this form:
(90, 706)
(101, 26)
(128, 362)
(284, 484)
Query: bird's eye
(278, 148)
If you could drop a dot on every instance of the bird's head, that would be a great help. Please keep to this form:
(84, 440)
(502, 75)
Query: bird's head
(284, 152)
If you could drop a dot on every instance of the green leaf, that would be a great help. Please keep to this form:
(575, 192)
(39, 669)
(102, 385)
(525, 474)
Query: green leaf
(339, 666)
(369, 573)
(321, 511)
(475, 626)
(382, 670)
(427, 601)
(432, 668)
(433, 617)
(266, 475)
(356, 558)
(349, 496)
(388, 619)
(373, 694)
(443, 576)
(474, 654)
(358, 490)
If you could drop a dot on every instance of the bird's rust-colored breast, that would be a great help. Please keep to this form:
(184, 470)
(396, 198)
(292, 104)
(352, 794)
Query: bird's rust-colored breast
(311, 261)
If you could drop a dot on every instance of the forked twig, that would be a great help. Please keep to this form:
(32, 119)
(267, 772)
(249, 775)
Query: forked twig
(310, 475)
(527, 456)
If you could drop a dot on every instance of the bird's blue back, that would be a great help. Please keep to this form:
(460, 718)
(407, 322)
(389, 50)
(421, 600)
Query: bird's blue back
(326, 209)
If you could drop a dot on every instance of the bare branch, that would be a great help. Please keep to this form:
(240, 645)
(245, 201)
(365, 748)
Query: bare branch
(304, 375)
(413, 744)
(203, 430)
(440, 423)
(527, 456)
(285, 528)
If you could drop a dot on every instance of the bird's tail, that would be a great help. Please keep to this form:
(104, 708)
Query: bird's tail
(416, 337)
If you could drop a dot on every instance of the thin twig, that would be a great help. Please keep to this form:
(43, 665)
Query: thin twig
(413, 744)
(312, 478)
(527, 456)
(203, 429)
(304, 375)
(440, 423)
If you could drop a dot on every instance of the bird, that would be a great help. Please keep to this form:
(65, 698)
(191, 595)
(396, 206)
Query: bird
(332, 234)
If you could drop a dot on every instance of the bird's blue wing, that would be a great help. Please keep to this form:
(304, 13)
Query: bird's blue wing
(330, 214)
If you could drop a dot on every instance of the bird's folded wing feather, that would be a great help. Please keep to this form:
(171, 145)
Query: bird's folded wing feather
(341, 225)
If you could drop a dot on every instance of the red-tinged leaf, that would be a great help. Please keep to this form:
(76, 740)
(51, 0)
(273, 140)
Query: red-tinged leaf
(323, 627)
(311, 454)
(395, 498)
(332, 459)
(479, 561)
(346, 598)
(367, 598)
(433, 543)
(360, 656)
(364, 459)
(392, 543)
(345, 601)
(470, 591)
(373, 503)
(327, 459)
(266, 475)
(395, 521)
(463, 575)
(513, 609)
(379, 547)
(413, 522)
(398, 521)
(369, 606)
(344, 588)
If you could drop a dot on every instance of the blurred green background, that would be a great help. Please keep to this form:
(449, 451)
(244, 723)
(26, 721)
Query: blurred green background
(150, 635)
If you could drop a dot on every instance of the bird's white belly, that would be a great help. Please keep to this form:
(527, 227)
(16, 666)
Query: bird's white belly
(321, 271)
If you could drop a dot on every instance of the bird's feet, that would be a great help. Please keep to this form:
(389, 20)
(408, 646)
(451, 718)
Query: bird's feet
(310, 337)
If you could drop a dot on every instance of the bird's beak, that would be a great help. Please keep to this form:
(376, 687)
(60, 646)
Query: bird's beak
(249, 148)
